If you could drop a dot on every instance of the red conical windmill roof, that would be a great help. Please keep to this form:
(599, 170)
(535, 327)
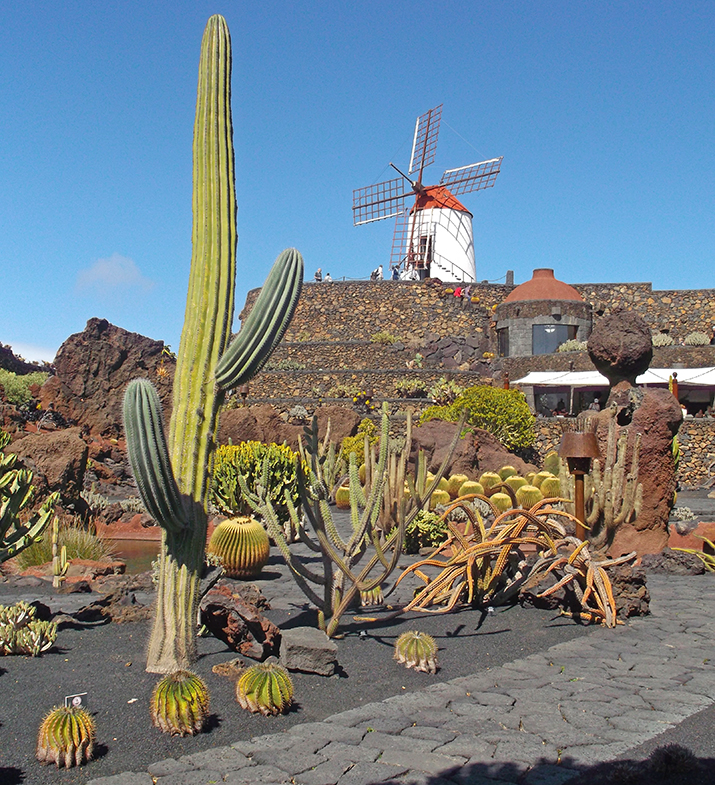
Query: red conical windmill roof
(543, 286)
(438, 196)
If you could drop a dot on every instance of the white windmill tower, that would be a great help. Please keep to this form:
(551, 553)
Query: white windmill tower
(433, 237)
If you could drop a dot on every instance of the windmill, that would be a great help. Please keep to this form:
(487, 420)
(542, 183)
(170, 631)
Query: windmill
(434, 235)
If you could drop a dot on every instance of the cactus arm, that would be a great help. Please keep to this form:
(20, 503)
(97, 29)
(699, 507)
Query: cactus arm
(23, 536)
(266, 324)
(149, 456)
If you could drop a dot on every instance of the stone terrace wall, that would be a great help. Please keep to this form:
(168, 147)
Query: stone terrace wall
(696, 437)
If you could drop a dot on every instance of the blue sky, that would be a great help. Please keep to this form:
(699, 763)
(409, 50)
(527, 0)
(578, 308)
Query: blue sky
(604, 114)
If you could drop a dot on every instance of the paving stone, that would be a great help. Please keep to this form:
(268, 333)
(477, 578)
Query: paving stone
(468, 708)
(265, 775)
(466, 746)
(395, 724)
(385, 741)
(327, 731)
(223, 759)
(326, 773)
(422, 761)
(169, 766)
(370, 774)
(494, 699)
(275, 741)
(350, 752)
(438, 735)
(291, 761)
(527, 750)
(422, 778)
(195, 777)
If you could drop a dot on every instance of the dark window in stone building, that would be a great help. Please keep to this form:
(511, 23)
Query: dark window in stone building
(546, 338)
(503, 339)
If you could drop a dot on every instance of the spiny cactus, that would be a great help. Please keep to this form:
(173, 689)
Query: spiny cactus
(66, 738)
(515, 482)
(174, 479)
(539, 478)
(342, 497)
(417, 650)
(21, 633)
(265, 688)
(528, 496)
(502, 501)
(489, 480)
(242, 545)
(454, 483)
(471, 486)
(550, 487)
(180, 704)
(552, 462)
(439, 497)
(60, 563)
(507, 471)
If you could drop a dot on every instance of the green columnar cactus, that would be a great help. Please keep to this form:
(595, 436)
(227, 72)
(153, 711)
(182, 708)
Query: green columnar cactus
(174, 479)
(17, 531)
(60, 563)
(66, 737)
(616, 495)
(242, 545)
(265, 688)
(180, 704)
(417, 650)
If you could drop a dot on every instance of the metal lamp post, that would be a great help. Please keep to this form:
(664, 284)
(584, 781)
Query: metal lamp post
(579, 449)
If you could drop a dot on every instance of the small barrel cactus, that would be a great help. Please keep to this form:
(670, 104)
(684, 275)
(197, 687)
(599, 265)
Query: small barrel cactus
(180, 704)
(528, 496)
(552, 462)
(470, 486)
(550, 487)
(454, 483)
(417, 650)
(66, 737)
(539, 478)
(265, 688)
(515, 482)
(507, 471)
(529, 477)
(489, 480)
(342, 497)
(696, 339)
(502, 501)
(242, 545)
(439, 497)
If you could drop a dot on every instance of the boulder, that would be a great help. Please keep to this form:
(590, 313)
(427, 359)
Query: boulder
(621, 346)
(238, 622)
(309, 650)
(93, 369)
(58, 460)
(260, 422)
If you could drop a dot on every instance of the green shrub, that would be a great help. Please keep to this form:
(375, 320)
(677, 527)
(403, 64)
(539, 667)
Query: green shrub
(248, 460)
(80, 544)
(573, 345)
(504, 413)
(410, 388)
(426, 530)
(384, 337)
(17, 388)
(356, 443)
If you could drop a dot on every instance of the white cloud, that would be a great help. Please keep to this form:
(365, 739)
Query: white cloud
(114, 273)
(33, 353)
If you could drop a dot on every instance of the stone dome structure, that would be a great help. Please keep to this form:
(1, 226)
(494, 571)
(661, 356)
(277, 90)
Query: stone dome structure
(539, 315)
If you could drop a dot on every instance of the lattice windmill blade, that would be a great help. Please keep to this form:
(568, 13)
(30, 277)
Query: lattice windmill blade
(474, 177)
(400, 238)
(383, 200)
(424, 144)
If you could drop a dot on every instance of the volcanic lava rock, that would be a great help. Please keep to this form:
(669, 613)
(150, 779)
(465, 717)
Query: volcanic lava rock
(621, 346)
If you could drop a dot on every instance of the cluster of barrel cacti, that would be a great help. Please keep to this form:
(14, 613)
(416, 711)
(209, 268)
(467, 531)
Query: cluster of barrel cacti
(265, 688)
(67, 737)
(21, 633)
(417, 650)
(180, 704)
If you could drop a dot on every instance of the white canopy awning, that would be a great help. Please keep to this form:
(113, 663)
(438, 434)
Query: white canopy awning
(704, 377)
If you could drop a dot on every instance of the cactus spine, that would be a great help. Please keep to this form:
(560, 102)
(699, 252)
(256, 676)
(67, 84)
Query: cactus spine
(265, 688)
(66, 737)
(174, 480)
(180, 704)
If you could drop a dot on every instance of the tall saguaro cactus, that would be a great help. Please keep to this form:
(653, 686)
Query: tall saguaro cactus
(174, 479)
